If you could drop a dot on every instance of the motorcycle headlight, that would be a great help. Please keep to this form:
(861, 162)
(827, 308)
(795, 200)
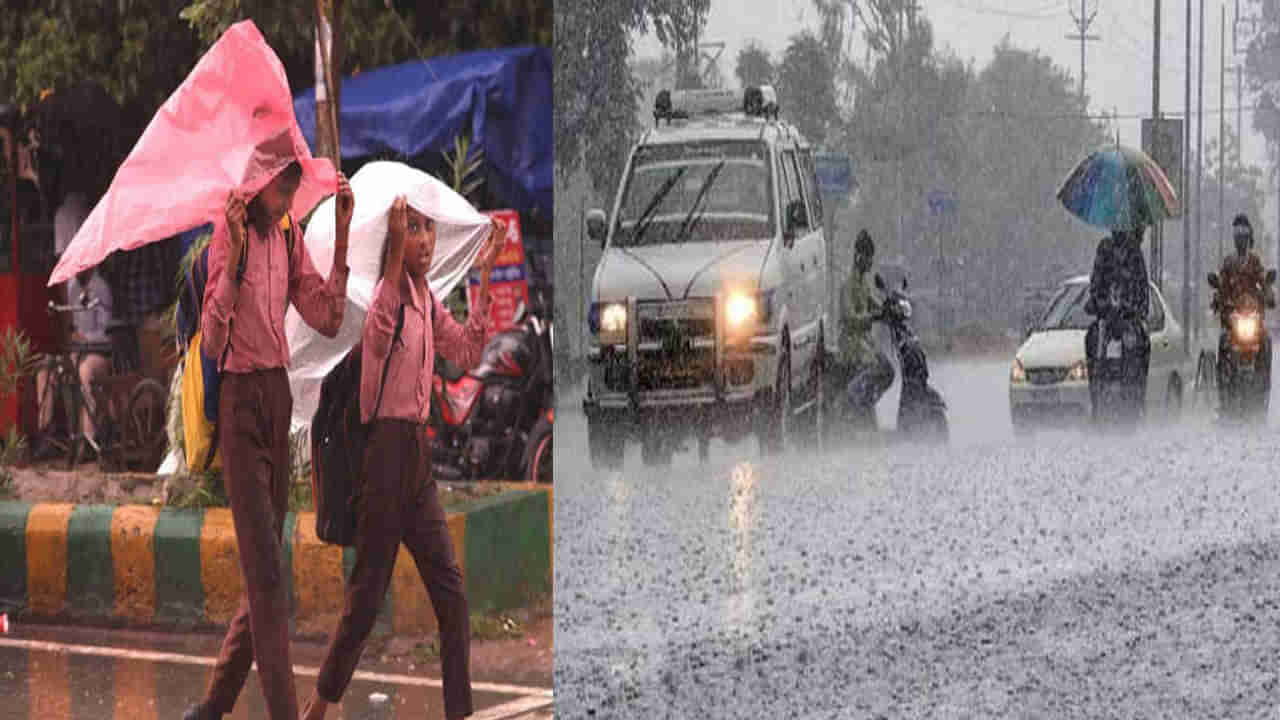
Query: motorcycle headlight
(1079, 372)
(1246, 326)
(1017, 374)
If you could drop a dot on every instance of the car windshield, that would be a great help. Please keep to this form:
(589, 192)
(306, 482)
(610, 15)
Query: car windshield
(1066, 309)
(697, 192)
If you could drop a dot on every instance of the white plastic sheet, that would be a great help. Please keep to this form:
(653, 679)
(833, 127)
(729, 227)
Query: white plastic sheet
(460, 232)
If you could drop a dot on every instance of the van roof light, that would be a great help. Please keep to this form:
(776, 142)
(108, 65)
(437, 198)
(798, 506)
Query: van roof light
(755, 101)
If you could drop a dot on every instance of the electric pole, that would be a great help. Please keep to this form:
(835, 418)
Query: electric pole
(1186, 186)
(1199, 249)
(1157, 232)
(1082, 22)
(1222, 137)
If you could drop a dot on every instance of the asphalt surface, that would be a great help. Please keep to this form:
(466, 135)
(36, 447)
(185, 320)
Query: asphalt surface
(1063, 576)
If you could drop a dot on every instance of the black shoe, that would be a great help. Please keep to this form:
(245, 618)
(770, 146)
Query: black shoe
(200, 712)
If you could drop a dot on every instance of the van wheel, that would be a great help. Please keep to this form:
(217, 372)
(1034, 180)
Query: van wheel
(811, 429)
(605, 443)
(775, 423)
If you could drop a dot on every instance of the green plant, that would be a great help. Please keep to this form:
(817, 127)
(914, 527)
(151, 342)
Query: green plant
(464, 166)
(207, 491)
(495, 626)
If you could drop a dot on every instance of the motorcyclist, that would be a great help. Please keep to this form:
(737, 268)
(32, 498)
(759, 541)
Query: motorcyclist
(1241, 275)
(869, 367)
(1119, 290)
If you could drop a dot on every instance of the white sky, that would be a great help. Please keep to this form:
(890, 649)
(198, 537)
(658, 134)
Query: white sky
(1118, 67)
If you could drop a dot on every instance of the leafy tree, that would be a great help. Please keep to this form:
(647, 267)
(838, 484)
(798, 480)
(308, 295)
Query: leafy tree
(806, 86)
(754, 66)
(596, 95)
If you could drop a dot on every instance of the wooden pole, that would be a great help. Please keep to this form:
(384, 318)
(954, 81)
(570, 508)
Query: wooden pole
(328, 144)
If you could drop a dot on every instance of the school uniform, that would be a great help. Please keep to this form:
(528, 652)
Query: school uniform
(243, 325)
(398, 500)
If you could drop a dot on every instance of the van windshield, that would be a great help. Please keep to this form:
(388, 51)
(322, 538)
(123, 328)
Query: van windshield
(697, 192)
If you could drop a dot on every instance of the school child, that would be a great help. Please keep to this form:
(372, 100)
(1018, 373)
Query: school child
(253, 277)
(398, 501)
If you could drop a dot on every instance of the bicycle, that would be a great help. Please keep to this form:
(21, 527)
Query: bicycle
(126, 410)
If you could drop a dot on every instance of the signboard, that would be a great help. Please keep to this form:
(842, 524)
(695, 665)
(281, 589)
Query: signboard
(1165, 148)
(835, 173)
(508, 283)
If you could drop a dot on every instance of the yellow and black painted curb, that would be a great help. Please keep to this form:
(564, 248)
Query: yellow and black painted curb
(142, 565)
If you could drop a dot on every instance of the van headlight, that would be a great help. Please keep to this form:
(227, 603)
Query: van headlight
(1079, 372)
(1017, 374)
(609, 322)
(747, 311)
(741, 310)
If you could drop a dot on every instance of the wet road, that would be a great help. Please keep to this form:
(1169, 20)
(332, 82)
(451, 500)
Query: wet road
(1055, 577)
(46, 681)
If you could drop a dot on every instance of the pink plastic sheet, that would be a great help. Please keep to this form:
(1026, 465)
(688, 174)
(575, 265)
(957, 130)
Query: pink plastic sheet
(229, 127)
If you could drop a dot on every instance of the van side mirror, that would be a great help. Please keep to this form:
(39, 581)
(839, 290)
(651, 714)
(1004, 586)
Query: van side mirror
(1213, 280)
(879, 282)
(596, 225)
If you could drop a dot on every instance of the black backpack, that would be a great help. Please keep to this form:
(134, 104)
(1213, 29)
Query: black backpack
(338, 440)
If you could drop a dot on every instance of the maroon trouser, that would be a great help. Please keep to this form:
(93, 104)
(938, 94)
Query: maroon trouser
(253, 426)
(398, 503)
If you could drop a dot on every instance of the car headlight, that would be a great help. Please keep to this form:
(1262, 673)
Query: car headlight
(1017, 374)
(1079, 372)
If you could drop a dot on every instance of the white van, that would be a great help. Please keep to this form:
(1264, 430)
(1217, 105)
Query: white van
(707, 312)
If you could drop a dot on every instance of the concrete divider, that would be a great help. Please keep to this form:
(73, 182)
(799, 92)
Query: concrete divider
(152, 566)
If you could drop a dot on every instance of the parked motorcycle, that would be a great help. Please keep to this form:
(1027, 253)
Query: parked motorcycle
(496, 420)
(922, 413)
(1117, 347)
(1244, 351)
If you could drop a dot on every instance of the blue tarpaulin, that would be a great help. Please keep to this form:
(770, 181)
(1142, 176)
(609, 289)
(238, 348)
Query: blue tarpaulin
(502, 98)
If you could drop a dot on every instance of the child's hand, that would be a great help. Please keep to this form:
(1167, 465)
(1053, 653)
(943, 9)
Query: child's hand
(344, 204)
(398, 224)
(237, 216)
(493, 246)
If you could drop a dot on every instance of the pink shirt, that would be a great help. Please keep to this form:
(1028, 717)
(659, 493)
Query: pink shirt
(407, 394)
(254, 309)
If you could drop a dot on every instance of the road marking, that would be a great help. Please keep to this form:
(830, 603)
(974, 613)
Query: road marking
(514, 709)
(178, 658)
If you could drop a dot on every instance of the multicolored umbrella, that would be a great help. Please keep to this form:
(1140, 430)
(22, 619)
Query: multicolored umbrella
(1119, 188)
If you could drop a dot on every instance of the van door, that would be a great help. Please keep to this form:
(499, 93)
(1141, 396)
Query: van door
(805, 249)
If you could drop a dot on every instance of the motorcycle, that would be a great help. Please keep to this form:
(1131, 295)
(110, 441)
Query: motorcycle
(1116, 345)
(922, 413)
(496, 420)
(1244, 350)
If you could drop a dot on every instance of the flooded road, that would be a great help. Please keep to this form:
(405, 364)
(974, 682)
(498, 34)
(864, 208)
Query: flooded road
(1063, 576)
(47, 680)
